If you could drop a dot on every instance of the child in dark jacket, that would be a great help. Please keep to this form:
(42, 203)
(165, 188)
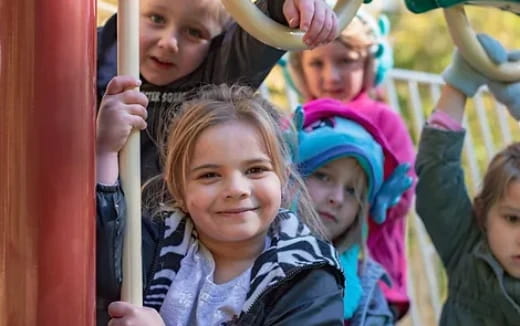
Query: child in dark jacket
(350, 170)
(188, 43)
(479, 241)
(225, 252)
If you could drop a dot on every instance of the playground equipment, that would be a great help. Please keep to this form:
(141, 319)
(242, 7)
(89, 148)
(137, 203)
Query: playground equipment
(251, 19)
(130, 156)
(464, 37)
(47, 111)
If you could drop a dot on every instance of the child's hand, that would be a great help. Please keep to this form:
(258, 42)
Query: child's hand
(122, 109)
(506, 93)
(462, 76)
(124, 313)
(314, 17)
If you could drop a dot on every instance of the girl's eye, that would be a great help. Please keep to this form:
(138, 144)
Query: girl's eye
(208, 175)
(316, 64)
(513, 219)
(350, 190)
(347, 61)
(257, 170)
(157, 19)
(321, 176)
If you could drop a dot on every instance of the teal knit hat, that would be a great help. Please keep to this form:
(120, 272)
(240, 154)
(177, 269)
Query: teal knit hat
(336, 137)
(329, 129)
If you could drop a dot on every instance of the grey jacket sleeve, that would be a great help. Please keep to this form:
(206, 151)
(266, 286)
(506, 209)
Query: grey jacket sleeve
(442, 200)
(237, 57)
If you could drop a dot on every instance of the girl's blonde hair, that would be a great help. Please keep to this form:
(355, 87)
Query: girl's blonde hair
(359, 37)
(503, 169)
(214, 105)
(354, 233)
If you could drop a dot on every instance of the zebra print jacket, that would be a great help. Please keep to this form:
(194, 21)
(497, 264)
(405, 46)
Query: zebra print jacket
(297, 280)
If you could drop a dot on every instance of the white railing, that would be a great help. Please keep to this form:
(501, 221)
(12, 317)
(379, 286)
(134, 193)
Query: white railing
(489, 128)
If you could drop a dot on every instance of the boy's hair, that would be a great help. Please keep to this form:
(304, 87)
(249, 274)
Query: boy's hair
(502, 170)
(357, 36)
(354, 233)
(213, 105)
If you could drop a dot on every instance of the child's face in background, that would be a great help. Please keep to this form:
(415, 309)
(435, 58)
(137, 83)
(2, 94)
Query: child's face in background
(232, 191)
(333, 71)
(503, 230)
(332, 192)
(175, 37)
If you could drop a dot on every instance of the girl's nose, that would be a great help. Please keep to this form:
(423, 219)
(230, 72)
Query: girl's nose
(332, 74)
(335, 196)
(237, 187)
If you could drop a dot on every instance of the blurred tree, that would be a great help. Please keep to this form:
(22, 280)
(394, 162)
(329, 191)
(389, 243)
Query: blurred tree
(422, 41)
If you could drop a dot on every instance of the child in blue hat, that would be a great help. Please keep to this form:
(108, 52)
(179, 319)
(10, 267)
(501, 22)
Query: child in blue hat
(349, 70)
(350, 173)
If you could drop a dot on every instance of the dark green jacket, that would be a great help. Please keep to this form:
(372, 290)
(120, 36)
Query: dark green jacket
(479, 290)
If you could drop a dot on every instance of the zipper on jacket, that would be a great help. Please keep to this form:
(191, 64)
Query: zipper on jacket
(286, 279)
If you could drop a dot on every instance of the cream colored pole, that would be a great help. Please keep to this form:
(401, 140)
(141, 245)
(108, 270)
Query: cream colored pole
(470, 48)
(129, 157)
(251, 19)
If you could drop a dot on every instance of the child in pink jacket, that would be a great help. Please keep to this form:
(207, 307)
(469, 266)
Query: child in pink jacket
(348, 70)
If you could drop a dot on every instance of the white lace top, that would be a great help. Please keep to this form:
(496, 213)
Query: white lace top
(193, 299)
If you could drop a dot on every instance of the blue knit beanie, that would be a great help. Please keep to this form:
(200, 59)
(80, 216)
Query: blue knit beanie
(334, 137)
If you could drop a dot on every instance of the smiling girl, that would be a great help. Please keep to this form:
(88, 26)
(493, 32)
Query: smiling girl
(224, 251)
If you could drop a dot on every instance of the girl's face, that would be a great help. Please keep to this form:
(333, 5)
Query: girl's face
(174, 38)
(503, 230)
(333, 71)
(232, 192)
(332, 192)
